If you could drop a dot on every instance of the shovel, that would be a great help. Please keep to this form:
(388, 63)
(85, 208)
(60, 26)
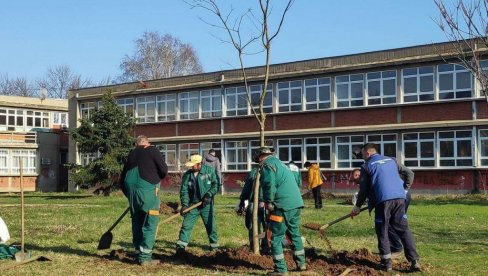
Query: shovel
(22, 255)
(176, 215)
(315, 226)
(106, 239)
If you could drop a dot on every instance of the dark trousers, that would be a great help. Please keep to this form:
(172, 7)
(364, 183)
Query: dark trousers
(317, 196)
(395, 242)
(391, 214)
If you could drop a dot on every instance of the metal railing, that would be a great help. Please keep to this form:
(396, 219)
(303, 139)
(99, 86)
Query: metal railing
(12, 137)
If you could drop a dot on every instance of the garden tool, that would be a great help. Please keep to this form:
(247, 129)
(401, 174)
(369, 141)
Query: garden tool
(316, 226)
(106, 239)
(177, 215)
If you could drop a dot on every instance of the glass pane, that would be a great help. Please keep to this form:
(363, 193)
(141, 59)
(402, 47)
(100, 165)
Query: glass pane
(342, 91)
(410, 150)
(446, 82)
(446, 149)
(410, 85)
(463, 80)
(374, 88)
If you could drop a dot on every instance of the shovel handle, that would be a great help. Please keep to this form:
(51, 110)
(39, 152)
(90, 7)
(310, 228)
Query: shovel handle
(339, 219)
(184, 212)
(119, 219)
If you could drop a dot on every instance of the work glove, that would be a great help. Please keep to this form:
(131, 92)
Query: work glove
(270, 206)
(182, 210)
(355, 211)
(242, 207)
(207, 198)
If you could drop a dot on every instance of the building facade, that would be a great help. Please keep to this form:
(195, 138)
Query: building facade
(34, 131)
(426, 112)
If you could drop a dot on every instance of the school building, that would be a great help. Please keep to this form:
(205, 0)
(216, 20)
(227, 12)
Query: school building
(424, 109)
(34, 131)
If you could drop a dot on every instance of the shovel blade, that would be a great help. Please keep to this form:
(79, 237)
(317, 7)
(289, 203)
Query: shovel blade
(105, 241)
(22, 256)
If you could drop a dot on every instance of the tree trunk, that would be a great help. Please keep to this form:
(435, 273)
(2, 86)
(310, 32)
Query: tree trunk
(255, 206)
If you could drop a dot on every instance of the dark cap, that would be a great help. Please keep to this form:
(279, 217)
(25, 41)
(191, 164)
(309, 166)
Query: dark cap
(265, 150)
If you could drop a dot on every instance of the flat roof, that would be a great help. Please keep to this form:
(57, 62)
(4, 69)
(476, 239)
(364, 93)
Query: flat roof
(405, 55)
(34, 103)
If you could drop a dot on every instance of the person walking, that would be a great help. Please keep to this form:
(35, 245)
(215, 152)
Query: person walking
(213, 161)
(198, 184)
(315, 182)
(284, 202)
(140, 181)
(382, 185)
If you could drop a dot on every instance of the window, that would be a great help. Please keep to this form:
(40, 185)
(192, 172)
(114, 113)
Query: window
(381, 87)
(236, 154)
(186, 151)
(4, 158)
(188, 105)
(418, 84)
(318, 150)
(211, 103)
(290, 150)
(236, 101)
(87, 158)
(146, 109)
(60, 118)
(386, 143)
(86, 109)
(349, 90)
(418, 149)
(206, 146)
(168, 151)
(348, 150)
(15, 119)
(289, 96)
(483, 148)
(454, 82)
(317, 94)
(28, 161)
(455, 148)
(127, 105)
(256, 91)
(166, 105)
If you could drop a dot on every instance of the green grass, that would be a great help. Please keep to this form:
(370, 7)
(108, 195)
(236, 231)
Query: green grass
(450, 233)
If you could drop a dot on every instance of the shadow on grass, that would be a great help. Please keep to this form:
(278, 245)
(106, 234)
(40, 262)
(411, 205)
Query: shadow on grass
(61, 250)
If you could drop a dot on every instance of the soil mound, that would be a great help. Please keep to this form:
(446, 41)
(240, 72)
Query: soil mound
(359, 262)
(168, 208)
(324, 195)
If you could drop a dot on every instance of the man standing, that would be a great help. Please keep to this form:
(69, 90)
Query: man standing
(140, 182)
(381, 183)
(296, 172)
(213, 161)
(284, 202)
(199, 183)
(315, 183)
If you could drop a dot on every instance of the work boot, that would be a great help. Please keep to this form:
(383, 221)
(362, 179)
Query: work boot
(301, 267)
(415, 266)
(180, 252)
(385, 265)
(276, 273)
(396, 255)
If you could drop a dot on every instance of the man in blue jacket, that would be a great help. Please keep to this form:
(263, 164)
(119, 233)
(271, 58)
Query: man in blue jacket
(381, 183)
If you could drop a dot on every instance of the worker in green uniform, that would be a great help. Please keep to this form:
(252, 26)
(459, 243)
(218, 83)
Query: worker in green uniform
(247, 194)
(284, 202)
(140, 181)
(296, 172)
(199, 183)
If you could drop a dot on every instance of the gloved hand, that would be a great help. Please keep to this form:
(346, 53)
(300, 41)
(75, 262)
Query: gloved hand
(270, 206)
(207, 198)
(242, 207)
(182, 210)
(355, 211)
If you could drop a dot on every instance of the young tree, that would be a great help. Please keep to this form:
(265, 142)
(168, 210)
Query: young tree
(244, 32)
(159, 56)
(108, 134)
(466, 26)
(60, 79)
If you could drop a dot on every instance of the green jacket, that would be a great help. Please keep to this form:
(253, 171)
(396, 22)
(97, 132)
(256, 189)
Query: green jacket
(279, 185)
(296, 172)
(193, 189)
(247, 191)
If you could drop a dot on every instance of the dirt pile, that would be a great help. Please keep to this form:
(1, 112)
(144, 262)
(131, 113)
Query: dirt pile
(324, 195)
(168, 208)
(241, 260)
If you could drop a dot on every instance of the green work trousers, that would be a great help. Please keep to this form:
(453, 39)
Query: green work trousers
(143, 233)
(290, 224)
(208, 217)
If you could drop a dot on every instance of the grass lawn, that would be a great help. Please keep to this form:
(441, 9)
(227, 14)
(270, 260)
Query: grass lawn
(450, 232)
